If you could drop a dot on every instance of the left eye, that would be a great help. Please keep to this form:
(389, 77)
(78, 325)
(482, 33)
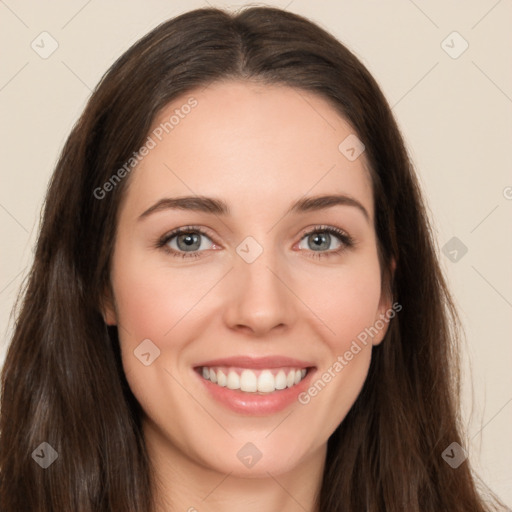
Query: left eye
(321, 240)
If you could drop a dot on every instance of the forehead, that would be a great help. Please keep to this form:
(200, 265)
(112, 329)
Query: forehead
(255, 145)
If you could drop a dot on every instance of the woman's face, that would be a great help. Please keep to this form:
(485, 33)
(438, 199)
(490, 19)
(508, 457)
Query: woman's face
(249, 294)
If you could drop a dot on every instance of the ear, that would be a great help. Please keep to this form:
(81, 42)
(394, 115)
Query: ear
(107, 307)
(386, 310)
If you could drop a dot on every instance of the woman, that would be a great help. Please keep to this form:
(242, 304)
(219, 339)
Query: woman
(235, 300)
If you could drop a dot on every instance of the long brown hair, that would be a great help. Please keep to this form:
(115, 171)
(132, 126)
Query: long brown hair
(63, 382)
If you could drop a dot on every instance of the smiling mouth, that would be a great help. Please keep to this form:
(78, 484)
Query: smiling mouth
(261, 381)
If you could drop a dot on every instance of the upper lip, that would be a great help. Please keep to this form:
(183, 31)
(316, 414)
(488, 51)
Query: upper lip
(258, 362)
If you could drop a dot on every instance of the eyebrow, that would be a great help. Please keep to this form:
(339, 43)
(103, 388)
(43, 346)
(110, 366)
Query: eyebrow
(219, 207)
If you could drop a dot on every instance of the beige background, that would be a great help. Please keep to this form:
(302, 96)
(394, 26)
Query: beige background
(455, 114)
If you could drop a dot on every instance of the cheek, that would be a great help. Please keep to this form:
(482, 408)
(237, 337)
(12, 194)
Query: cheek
(347, 302)
(151, 300)
(155, 303)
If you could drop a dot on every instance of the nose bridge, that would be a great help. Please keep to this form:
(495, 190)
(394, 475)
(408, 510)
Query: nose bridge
(260, 299)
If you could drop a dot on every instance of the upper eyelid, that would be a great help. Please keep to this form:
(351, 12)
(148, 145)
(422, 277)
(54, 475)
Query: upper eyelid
(323, 227)
(187, 229)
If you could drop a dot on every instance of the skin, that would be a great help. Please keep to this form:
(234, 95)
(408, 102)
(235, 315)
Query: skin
(259, 148)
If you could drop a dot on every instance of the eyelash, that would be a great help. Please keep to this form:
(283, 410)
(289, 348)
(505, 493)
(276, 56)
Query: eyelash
(346, 240)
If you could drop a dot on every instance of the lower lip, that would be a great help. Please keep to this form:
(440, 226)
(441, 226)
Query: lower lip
(254, 404)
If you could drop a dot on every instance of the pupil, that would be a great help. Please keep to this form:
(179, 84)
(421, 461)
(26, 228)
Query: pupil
(318, 239)
(189, 239)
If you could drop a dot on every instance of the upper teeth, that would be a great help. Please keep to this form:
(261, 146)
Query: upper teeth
(264, 381)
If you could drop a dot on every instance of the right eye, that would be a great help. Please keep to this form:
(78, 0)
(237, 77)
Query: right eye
(184, 242)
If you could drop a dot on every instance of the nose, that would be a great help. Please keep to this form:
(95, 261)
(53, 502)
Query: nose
(259, 297)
